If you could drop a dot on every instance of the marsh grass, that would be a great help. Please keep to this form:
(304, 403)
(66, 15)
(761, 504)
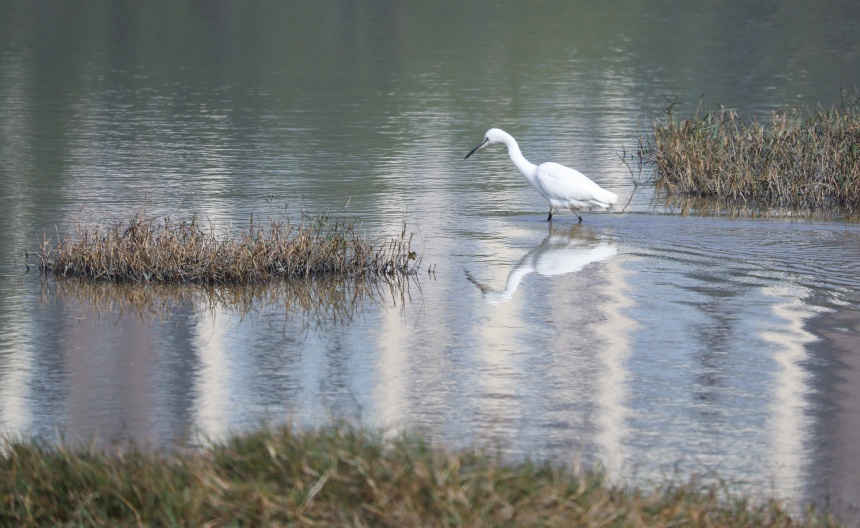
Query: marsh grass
(341, 476)
(803, 160)
(159, 249)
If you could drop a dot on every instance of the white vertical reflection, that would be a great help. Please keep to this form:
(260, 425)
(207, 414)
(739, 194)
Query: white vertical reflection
(16, 342)
(391, 388)
(499, 336)
(499, 341)
(15, 379)
(594, 340)
(615, 333)
(788, 422)
(212, 380)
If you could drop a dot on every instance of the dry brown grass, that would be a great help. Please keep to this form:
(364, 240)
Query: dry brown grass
(158, 249)
(802, 161)
(339, 476)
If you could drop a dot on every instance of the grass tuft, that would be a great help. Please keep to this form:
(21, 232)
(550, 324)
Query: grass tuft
(803, 160)
(341, 476)
(152, 249)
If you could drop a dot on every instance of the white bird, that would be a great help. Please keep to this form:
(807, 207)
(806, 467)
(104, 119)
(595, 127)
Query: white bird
(563, 187)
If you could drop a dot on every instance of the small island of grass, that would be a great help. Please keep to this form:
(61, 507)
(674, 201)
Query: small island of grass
(806, 161)
(158, 249)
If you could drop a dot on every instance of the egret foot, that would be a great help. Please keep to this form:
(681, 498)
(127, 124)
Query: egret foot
(549, 218)
(580, 218)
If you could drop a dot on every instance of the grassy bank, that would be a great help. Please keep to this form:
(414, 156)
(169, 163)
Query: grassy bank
(158, 249)
(338, 476)
(802, 160)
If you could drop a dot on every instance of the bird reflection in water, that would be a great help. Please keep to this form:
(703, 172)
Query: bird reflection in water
(562, 251)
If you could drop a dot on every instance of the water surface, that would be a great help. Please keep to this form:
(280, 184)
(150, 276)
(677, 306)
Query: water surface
(647, 341)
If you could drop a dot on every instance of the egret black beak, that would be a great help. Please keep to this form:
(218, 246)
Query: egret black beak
(479, 147)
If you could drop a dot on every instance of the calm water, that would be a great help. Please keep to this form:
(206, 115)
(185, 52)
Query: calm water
(654, 343)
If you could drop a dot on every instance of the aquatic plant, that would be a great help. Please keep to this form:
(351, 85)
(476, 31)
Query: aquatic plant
(803, 160)
(342, 476)
(158, 249)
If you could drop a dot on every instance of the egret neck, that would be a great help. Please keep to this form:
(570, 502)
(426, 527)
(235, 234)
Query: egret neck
(526, 168)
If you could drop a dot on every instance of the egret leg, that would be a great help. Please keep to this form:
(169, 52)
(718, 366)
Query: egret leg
(580, 218)
(549, 218)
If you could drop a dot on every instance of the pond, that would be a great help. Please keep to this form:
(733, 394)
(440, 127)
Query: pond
(655, 343)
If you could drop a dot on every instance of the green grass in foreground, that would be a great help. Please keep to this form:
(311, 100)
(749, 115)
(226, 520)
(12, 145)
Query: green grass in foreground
(802, 160)
(339, 476)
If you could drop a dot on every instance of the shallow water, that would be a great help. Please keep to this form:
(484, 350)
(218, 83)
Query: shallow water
(650, 342)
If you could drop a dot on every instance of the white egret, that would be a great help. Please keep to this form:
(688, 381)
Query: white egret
(563, 187)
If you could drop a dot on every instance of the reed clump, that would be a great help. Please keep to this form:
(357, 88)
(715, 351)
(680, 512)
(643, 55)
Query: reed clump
(801, 161)
(159, 249)
(341, 476)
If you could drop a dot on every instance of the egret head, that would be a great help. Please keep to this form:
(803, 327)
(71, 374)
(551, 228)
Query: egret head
(493, 135)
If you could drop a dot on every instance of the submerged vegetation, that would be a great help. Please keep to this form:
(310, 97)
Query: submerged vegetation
(340, 476)
(158, 249)
(802, 160)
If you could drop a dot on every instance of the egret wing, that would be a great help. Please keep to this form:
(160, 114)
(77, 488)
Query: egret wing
(566, 186)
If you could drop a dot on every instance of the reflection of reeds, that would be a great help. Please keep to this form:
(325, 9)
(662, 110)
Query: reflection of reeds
(802, 161)
(711, 206)
(151, 249)
(317, 301)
